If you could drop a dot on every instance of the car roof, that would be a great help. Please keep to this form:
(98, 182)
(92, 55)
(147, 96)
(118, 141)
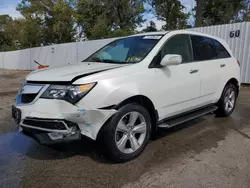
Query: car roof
(177, 31)
(183, 31)
(151, 33)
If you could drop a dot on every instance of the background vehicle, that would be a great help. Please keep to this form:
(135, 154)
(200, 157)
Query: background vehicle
(128, 89)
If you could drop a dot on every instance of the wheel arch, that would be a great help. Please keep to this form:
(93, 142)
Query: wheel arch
(222, 111)
(141, 100)
(146, 103)
(235, 82)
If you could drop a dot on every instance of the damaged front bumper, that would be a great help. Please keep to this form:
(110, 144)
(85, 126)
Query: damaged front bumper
(57, 120)
(48, 138)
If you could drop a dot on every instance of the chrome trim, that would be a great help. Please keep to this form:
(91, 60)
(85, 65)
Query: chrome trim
(31, 89)
(48, 130)
(47, 120)
(42, 90)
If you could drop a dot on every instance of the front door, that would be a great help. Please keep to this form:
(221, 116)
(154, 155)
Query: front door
(179, 85)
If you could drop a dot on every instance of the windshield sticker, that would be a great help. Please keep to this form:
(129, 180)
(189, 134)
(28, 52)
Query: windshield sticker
(152, 37)
(133, 59)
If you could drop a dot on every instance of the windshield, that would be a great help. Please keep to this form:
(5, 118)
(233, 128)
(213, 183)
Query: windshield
(126, 50)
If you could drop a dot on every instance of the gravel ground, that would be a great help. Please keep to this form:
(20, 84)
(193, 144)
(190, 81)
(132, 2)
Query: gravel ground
(207, 152)
(9, 85)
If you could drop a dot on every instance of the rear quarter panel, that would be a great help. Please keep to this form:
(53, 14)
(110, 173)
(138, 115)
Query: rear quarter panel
(232, 70)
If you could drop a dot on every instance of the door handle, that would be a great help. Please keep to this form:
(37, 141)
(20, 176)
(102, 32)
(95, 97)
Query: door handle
(222, 65)
(193, 71)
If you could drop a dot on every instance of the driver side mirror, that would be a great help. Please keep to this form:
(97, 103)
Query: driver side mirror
(171, 59)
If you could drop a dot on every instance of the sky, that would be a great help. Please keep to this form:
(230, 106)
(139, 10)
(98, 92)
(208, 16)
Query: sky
(9, 7)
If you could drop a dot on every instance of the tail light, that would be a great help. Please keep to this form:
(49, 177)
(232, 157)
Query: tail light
(238, 62)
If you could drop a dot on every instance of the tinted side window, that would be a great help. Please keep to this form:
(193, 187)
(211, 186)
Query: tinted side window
(203, 48)
(179, 44)
(220, 50)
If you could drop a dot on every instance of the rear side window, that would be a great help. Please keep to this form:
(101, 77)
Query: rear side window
(179, 44)
(203, 48)
(220, 50)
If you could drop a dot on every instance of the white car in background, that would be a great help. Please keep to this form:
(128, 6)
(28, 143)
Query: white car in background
(128, 89)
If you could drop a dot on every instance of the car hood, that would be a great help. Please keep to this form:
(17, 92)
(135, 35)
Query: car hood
(70, 72)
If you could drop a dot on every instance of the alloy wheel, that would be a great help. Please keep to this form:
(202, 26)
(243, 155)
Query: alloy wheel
(229, 100)
(130, 132)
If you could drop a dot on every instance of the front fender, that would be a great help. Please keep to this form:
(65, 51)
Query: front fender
(120, 94)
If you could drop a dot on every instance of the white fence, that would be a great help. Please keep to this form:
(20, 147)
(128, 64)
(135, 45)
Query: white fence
(54, 55)
(237, 36)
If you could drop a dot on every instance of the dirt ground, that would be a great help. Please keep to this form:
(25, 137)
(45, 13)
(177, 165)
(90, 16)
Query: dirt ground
(207, 152)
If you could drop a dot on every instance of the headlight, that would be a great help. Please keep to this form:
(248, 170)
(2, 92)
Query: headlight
(71, 94)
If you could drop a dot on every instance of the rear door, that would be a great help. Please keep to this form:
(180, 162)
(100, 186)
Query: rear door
(205, 55)
(225, 60)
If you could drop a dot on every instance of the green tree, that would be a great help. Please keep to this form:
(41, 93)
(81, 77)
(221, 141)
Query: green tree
(170, 11)
(221, 11)
(6, 42)
(53, 20)
(214, 12)
(11, 33)
(200, 4)
(29, 33)
(108, 18)
(244, 13)
(125, 14)
(150, 28)
(91, 19)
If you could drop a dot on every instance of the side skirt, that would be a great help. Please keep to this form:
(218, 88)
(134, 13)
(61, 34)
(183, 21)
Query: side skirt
(176, 120)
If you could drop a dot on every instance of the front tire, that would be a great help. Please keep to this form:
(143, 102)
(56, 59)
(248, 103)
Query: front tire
(227, 101)
(128, 133)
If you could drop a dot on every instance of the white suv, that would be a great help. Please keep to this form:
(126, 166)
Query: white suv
(129, 88)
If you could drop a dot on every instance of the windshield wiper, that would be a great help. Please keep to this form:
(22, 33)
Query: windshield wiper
(96, 59)
(111, 61)
(117, 62)
(108, 61)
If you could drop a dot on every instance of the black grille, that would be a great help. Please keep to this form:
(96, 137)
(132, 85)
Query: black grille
(28, 98)
(45, 124)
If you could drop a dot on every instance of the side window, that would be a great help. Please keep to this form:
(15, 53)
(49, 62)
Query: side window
(220, 50)
(179, 44)
(203, 48)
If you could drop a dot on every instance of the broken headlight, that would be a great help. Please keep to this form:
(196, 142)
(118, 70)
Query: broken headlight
(71, 93)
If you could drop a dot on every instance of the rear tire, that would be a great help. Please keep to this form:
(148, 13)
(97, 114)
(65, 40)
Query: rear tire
(227, 101)
(127, 133)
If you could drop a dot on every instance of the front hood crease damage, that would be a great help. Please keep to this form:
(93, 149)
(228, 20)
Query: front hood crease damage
(70, 73)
